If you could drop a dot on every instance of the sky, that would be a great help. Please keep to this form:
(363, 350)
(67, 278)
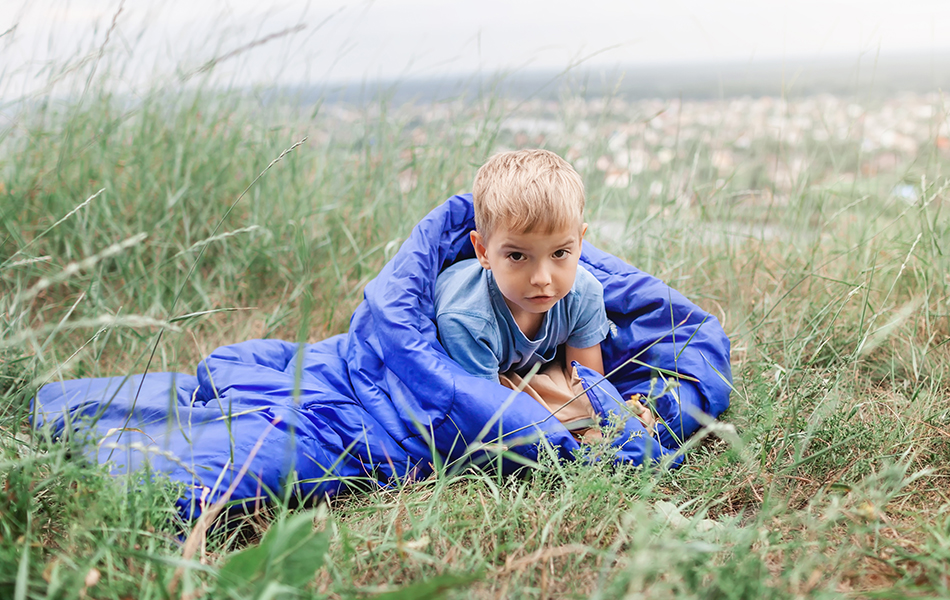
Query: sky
(299, 41)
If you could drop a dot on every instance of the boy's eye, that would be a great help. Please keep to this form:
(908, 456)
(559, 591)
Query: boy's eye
(516, 256)
(561, 253)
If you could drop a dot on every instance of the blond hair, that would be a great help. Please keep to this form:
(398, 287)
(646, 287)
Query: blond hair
(527, 191)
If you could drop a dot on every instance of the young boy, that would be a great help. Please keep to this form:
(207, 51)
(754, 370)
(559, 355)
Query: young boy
(524, 300)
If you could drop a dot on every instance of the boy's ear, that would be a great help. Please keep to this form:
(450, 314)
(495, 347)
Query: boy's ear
(481, 252)
(583, 230)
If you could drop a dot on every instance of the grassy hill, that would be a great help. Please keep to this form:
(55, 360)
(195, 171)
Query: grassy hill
(814, 227)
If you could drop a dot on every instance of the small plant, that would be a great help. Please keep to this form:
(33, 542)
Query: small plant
(285, 560)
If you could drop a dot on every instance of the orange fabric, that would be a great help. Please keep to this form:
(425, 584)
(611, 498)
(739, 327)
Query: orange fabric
(560, 390)
(562, 393)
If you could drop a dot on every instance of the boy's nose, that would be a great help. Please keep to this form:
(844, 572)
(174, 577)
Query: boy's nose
(541, 277)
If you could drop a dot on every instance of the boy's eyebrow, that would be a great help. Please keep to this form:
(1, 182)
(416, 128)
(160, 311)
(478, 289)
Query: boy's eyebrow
(514, 246)
(569, 240)
(566, 241)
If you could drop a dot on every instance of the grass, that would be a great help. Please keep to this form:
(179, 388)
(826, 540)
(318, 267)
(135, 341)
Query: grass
(828, 480)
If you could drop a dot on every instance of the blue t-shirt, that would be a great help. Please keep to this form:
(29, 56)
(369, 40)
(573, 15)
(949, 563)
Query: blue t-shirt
(477, 330)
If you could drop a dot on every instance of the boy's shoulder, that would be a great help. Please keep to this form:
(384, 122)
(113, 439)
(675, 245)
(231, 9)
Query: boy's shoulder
(586, 286)
(462, 288)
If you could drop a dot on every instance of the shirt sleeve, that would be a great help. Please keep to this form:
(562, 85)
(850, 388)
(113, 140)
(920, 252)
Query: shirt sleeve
(591, 324)
(464, 339)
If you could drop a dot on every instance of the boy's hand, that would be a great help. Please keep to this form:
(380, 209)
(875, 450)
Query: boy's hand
(642, 412)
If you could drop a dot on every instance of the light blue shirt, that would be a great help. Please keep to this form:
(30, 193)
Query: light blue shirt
(478, 331)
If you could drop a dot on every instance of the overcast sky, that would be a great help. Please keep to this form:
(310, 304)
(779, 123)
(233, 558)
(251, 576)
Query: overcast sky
(353, 40)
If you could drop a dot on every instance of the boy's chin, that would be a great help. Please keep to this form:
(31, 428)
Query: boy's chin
(538, 306)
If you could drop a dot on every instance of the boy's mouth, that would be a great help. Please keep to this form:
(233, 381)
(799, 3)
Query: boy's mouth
(540, 299)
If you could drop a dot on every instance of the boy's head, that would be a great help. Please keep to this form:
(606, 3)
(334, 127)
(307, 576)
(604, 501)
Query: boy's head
(527, 191)
(529, 220)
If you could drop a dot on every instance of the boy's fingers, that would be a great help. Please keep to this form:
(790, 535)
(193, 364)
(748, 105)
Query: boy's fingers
(643, 413)
(635, 405)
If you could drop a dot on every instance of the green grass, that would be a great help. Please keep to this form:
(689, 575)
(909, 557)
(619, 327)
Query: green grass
(828, 477)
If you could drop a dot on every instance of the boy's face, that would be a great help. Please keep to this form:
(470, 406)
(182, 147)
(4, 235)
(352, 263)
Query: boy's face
(532, 270)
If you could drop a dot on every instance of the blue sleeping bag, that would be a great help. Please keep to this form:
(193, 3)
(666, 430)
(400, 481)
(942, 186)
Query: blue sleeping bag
(384, 402)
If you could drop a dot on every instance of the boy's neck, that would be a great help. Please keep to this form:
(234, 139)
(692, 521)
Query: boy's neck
(528, 323)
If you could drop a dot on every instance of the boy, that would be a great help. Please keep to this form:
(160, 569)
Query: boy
(523, 300)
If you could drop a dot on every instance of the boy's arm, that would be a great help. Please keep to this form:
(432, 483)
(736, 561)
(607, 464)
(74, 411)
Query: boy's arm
(589, 357)
(591, 324)
(467, 344)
